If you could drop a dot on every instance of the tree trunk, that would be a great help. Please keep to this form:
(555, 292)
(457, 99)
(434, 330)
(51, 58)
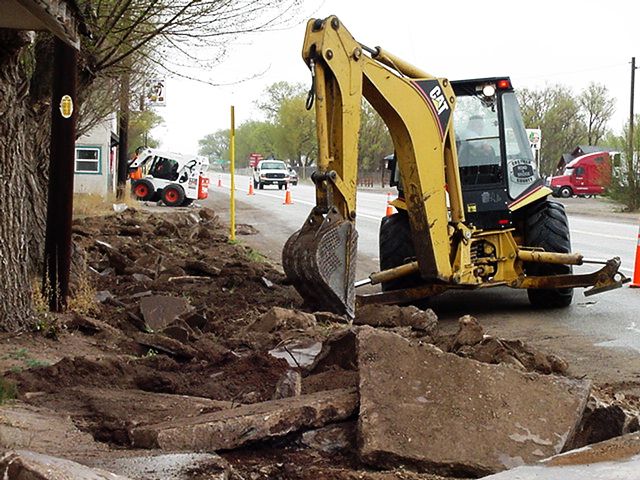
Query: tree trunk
(24, 131)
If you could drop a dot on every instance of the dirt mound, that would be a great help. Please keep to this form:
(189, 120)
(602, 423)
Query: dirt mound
(247, 379)
(181, 324)
(184, 255)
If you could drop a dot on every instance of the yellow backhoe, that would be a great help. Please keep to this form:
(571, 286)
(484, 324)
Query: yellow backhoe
(472, 209)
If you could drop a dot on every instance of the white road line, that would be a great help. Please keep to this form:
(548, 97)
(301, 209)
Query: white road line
(595, 234)
(304, 202)
(586, 218)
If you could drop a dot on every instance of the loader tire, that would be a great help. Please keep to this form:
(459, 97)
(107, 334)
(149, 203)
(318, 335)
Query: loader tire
(173, 195)
(547, 227)
(143, 189)
(396, 248)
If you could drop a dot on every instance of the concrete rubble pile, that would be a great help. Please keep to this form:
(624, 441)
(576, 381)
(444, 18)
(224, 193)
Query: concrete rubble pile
(284, 393)
(417, 400)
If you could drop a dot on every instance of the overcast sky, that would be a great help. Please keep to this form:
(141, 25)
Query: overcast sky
(535, 42)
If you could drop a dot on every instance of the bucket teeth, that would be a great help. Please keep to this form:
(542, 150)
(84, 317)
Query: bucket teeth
(320, 259)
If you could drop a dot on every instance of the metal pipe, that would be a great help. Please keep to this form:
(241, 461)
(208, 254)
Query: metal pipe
(322, 126)
(398, 64)
(393, 273)
(550, 257)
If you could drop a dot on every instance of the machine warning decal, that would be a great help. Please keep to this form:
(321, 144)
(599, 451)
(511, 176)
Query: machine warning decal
(432, 92)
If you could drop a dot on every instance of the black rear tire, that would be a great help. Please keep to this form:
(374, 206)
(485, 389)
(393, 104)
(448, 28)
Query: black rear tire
(547, 227)
(396, 248)
(565, 192)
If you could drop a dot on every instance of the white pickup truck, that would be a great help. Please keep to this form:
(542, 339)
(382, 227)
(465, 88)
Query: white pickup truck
(270, 172)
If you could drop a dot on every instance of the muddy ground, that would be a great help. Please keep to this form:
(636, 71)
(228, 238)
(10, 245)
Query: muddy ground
(119, 360)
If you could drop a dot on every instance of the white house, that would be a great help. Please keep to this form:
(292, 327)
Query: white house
(96, 159)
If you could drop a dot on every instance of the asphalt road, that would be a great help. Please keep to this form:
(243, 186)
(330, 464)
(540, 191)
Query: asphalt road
(610, 320)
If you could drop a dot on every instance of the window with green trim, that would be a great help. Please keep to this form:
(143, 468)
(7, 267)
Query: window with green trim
(87, 160)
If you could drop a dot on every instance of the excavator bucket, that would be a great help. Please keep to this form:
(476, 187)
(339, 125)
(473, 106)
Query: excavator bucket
(320, 261)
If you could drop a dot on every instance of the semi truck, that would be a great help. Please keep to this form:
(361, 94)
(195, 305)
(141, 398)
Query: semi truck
(588, 174)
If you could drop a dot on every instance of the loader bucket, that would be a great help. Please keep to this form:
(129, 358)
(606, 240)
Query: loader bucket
(320, 261)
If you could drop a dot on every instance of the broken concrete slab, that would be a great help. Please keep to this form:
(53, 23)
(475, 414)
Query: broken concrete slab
(332, 379)
(181, 331)
(27, 465)
(165, 344)
(289, 385)
(330, 317)
(159, 311)
(90, 325)
(24, 426)
(173, 466)
(602, 421)
(615, 459)
(232, 428)
(509, 352)
(396, 316)
(452, 415)
(102, 296)
(142, 278)
(470, 332)
(109, 414)
(332, 438)
(278, 318)
(339, 350)
(246, 229)
(198, 267)
(298, 353)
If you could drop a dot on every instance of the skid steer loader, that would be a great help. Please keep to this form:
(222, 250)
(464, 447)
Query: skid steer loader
(472, 210)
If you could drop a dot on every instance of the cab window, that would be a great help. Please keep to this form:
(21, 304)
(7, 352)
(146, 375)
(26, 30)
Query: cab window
(164, 168)
(521, 170)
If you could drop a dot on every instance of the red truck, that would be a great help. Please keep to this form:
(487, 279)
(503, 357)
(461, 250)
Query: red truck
(587, 174)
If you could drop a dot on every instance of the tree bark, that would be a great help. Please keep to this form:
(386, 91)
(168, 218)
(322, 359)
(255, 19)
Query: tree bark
(24, 130)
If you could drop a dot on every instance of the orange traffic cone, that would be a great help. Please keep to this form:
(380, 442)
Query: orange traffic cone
(636, 268)
(219, 182)
(250, 188)
(287, 198)
(389, 211)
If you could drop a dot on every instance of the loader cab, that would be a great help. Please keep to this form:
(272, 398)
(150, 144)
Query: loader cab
(494, 156)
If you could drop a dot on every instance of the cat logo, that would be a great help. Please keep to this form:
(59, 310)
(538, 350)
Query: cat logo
(438, 99)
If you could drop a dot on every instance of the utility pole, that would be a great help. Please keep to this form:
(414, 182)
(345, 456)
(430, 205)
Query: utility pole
(123, 133)
(64, 116)
(630, 165)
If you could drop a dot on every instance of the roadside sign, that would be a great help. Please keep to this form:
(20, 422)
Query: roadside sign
(535, 138)
(254, 158)
(156, 92)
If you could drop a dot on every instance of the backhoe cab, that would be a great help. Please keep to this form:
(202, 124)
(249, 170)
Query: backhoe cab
(472, 209)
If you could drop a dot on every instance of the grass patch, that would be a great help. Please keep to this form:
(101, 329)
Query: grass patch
(92, 204)
(83, 300)
(22, 354)
(254, 255)
(35, 363)
(19, 354)
(8, 390)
